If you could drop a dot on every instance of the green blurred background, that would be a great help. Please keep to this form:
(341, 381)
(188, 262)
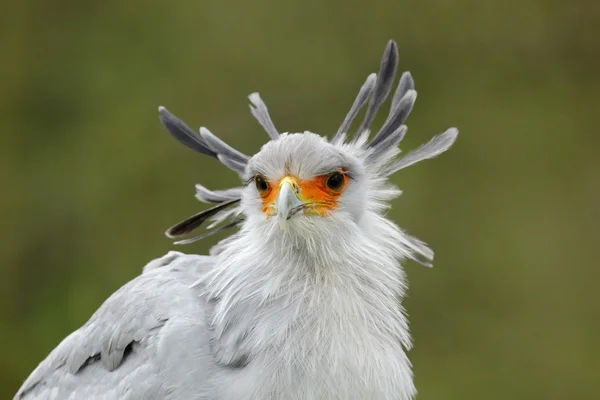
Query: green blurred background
(90, 180)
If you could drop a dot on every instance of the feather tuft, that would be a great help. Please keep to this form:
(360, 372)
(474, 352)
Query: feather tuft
(217, 196)
(261, 113)
(396, 118)
(361, 99)
(385, 79)
(433, 148)
(189, 224)
(184, 135)
(220, 147)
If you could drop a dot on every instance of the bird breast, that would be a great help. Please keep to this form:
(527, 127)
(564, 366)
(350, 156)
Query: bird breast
(323, 344)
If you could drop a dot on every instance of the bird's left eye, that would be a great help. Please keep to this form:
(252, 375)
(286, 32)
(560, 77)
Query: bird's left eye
(335, 181)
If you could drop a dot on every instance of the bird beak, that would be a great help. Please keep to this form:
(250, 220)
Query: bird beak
(288, 201)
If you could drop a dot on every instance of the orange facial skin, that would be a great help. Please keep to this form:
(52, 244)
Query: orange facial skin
(319, 199)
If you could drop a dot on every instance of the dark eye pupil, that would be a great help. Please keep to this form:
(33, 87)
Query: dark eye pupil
(261, 184)
(335, 181)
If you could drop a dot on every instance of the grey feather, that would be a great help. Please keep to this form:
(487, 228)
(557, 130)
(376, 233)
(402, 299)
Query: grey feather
(221, 216)
(217, 196)
(117, 354)
(433, 148)
(398, 115)
(180, 131)
(385, 79)
(261, 113)
(406, 83)
(220, 147)
(362, 97)
(233, 165)
(209, 233)
(419, 250)
(212, 145)
(387, 144)
(191, 223)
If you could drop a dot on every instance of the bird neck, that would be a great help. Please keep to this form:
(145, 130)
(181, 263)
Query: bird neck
(331, 302)
(355, 264)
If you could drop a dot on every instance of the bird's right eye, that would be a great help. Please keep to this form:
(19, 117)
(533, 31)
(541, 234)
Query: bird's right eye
(262, 185)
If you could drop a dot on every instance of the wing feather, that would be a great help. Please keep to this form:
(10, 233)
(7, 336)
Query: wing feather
(119, 353)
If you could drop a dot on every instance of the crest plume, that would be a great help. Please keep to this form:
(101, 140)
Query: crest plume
(382, 149)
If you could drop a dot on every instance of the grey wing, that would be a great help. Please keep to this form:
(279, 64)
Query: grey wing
(147, 341)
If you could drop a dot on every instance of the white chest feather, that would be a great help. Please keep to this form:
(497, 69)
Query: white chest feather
(313, 320)
(337, 349)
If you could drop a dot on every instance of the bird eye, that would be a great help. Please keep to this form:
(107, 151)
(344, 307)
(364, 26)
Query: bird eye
(261, 184)
(335, 181)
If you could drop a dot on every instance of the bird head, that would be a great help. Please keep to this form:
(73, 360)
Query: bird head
(304, 184)
(301, 180)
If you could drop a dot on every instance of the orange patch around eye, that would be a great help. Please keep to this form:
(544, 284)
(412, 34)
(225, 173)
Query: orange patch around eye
(269, 196)
(316, 190)
(313, 191)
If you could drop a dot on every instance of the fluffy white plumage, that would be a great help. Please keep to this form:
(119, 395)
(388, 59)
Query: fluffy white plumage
(311, 311)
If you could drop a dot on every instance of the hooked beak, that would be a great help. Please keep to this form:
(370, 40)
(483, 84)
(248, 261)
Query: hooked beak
(288, 201)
